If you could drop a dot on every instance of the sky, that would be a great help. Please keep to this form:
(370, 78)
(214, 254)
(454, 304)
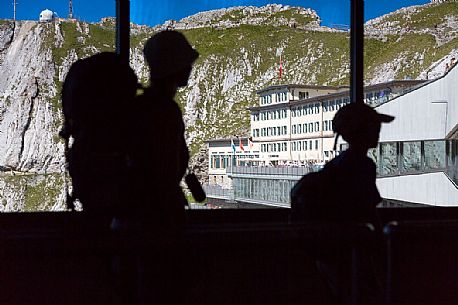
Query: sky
(153, 12)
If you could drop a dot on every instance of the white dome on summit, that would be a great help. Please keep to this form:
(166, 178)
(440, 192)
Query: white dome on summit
(47, 15)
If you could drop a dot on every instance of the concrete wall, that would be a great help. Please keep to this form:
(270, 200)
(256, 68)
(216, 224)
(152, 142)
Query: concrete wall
(428, 113)
(431, 189)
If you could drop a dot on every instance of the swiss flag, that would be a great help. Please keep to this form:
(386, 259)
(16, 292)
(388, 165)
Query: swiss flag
(241, 144)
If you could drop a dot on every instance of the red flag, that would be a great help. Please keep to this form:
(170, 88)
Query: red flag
(280, 70)
(241, 144)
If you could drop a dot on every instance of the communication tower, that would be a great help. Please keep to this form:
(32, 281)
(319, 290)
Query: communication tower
(14, 10)
(70, 9)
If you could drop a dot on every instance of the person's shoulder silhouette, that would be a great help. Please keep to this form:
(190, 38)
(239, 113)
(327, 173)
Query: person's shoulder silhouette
(97, 97)
(347, 183)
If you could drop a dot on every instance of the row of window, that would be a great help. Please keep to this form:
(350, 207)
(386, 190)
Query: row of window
(300, 110)
(224, 161)
(370, 96)
(304, 145)
(303, 95)
(295, 129)
(304, 110)
(274, 147)
(327, 125)
(294, 146)
(305, 128)
(266, 99)
(270, 115)
(270, 131)
(333, 105)
(282, 97)
(279, 97)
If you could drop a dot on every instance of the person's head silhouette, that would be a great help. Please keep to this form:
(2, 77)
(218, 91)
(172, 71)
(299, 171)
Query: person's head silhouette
(170, 57)
(359, 125)
(95, 91)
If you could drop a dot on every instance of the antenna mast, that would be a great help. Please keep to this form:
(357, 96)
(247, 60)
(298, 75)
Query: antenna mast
(14, 10)
(70, 9)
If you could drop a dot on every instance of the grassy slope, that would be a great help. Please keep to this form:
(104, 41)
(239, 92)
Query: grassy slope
(414, 44)
(427, 17)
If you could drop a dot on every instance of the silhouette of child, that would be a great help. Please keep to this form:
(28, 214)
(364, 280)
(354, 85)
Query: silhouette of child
(353, 170)
(354, 199)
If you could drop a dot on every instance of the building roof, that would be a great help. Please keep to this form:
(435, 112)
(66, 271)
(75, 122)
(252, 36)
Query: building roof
(391, 83)
(287, 86)
(225, 139)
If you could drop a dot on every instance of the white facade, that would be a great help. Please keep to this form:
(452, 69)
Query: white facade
(429, 113)
(286, 130)
(429, 188)
(293, 123)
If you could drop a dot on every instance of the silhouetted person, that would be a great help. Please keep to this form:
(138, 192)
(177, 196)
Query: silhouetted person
(160, 152)
(355, 173)
(345, 190)
(359, 125)
(349, 195)
(97, 93)
(160, 158)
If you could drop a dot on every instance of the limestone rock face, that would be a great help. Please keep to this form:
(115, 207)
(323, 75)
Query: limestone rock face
(29, 121)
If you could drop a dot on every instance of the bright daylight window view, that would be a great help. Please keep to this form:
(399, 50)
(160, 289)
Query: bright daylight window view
(261, 98)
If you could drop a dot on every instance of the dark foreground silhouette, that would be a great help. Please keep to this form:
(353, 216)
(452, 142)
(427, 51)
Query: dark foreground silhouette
(161, 159)
(127, 154)
(345, 192)
(97, 95)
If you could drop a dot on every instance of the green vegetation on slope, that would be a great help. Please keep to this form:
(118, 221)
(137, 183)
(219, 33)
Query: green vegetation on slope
(293, 14)
(427, 17)
(41, 195)
(263, 41)
(418, 50)
(99, 37)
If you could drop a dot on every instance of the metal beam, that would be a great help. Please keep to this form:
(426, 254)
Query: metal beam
(123, 29)
(357, 51)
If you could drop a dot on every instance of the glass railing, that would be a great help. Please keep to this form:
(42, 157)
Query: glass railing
(217, 191)
(415, 157)
(272, 185)
(270, 170)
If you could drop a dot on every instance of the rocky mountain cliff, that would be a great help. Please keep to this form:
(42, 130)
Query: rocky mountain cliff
(238, 48)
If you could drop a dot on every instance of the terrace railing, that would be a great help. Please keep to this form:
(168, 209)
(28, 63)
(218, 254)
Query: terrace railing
(269, 171)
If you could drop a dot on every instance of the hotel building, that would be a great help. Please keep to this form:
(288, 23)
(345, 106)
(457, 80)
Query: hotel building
(292, 126)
